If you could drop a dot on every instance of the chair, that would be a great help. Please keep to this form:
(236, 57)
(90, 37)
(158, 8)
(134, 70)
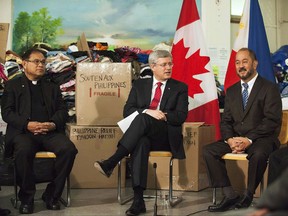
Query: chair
(173, 200)
(238, 157)
(283, 138)
(44, 155)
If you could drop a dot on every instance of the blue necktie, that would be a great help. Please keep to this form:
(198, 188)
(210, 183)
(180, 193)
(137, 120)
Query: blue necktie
(245, 95)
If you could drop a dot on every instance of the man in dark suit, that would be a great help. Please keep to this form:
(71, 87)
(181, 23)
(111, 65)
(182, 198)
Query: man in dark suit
(157, 127)
(36, 115)
(252, 128)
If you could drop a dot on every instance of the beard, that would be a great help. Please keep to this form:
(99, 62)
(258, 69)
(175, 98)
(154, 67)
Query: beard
(247, 75)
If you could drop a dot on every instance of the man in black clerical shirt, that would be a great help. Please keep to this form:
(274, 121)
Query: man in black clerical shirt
(36, 115)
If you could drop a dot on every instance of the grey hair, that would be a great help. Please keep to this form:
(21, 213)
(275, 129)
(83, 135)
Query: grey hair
(155, 55)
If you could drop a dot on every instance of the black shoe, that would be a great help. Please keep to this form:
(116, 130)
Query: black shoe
(244, 202)
(26, 208)
(4, 212)
(136, 208)
(102, 167)
(224, 205)
(51, 203)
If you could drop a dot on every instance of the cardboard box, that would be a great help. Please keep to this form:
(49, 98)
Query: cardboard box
(82, 45)
(238, 172)
(101, 92)
(4, 30)
(189, 174)
(93, 143)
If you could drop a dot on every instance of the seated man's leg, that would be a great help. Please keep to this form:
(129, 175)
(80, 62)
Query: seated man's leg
(217, 172)
(137, 141)
(278, 162)
(65, 152)
(258, 154)
(139, 163)
(139, 169)
(140, 158)
(24, 153)
(218, 176)
(142, 125)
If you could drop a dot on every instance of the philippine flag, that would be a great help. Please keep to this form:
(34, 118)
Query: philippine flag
(192, 66)
(252, 35)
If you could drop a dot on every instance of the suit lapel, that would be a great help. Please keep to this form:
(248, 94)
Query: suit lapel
(238, 99)
(25, 91)
(148, 91)
(166, 93)
(256, 88)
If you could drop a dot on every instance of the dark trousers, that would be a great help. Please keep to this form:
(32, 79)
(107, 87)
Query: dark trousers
(145, 134)
(278, 162)
(258, 154)
(25, 148)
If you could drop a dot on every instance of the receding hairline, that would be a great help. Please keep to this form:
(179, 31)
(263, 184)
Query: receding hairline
(250, 51)
(155, 55)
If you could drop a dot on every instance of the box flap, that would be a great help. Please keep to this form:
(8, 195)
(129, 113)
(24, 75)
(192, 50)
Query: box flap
(82, 45)
(4, 28)
(195, 124)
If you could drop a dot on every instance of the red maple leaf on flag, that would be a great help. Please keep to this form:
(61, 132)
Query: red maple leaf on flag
(194, 65)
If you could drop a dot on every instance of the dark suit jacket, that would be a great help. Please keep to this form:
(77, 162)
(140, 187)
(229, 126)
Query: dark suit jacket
(16, 107)
(174, 102)
(262, 116)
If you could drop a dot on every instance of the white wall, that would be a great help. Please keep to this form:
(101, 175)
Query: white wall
(216, 26)
(283, 22)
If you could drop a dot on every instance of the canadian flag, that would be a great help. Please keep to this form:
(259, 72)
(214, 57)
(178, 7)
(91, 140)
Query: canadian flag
(251, 34)
(192, 66)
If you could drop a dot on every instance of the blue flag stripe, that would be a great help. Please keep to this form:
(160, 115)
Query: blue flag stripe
(258, 42)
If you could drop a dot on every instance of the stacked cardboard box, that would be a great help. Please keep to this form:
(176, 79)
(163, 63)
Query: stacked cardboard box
(189, 174)
(93, 143)
(101, 92)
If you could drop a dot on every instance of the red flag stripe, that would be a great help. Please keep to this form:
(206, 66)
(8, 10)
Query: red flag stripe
(187, 16)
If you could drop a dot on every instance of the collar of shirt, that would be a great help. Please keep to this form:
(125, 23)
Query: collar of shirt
(155, 81)
(154, 86)
(34, 82)
(250, 83)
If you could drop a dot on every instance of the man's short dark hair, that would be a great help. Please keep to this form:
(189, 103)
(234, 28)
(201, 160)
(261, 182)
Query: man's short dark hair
(28, 53)
(251, 52)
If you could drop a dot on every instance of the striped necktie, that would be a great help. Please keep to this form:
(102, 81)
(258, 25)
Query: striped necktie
(245, 94)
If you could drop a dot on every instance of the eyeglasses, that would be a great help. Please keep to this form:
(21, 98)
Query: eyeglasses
(37, 61)
(170, 64)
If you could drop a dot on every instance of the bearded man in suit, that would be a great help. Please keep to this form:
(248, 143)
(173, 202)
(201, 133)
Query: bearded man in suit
(157, 127)
(251, 127)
